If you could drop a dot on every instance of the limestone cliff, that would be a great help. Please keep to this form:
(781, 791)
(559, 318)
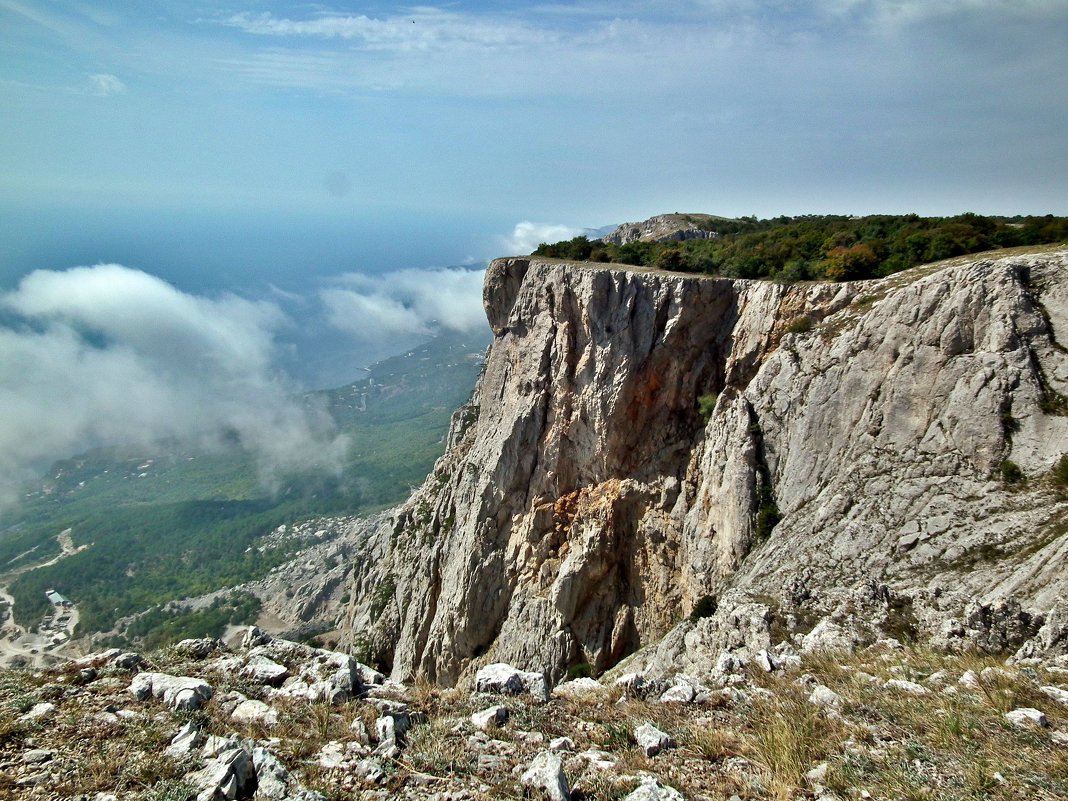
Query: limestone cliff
(640, 440)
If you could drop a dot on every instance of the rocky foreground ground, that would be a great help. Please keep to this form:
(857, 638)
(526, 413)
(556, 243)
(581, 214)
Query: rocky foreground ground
(284, 721)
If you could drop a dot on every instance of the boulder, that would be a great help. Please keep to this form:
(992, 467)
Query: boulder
(652, 790)
(1027, 717)
(651, 740)
(546, 773)
(229, 775)
(187, 738)
(577, 688)
(199, 648)
(262, 669)
(825, 697)
(490, 718)
(253, 711)
(910, 687)
(177, 692)
(505, 679)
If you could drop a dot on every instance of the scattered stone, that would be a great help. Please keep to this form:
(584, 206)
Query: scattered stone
(215, 745)
(969, 680)
(264, 670)
(601, 760)
(828, 636)
(188, 737)
(546, 773)
(339, 755)
(818, 775)
(200, 648)
(230, 775)
(39, 712)
(938, 678)
(490, 718)
(651, 790)
(177, 692)
(490, 763)
(764, 661)
(254, 638)
(910, 687)
(274, 782)
(97, 659)
(562, 744)
(576, 688)
(681, 693)
(825, 697)
(991, 674)
(129, 661)
(651, 740)
(37, 756)
(252, 711)
(1027, 717)
(505, 679)
(1056, 693)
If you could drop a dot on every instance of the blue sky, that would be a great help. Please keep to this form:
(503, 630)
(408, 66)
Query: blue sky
(282, 184)
(581, 114)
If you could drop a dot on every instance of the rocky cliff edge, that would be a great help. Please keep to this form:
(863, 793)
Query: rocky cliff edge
(643, 443)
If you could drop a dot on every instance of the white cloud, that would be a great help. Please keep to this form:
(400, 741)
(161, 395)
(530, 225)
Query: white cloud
(526, 236)
(106, 85)
(107, 354)
(405, 303)
(422, 29)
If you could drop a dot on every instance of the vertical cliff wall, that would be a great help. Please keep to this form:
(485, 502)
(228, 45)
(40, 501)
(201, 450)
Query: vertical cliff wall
(636, 436)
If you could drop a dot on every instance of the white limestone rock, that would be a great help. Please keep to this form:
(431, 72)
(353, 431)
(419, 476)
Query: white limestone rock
(505, 679)
(177, 692)
(652, 790)
(263, 670)
(188, 738)
(546, 773)
(582, 454)
(1027, 717)
(39, 711)
(910, 687)
(253, 711)
(1056, 693)
(491, 717)
(651, 740)
(825, 697)
(577, 688)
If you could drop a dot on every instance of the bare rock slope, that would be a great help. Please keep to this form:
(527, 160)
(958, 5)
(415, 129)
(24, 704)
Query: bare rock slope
(665, 228)
(642, 440)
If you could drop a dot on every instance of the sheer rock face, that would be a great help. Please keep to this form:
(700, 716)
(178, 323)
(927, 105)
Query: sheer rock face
(585, 503)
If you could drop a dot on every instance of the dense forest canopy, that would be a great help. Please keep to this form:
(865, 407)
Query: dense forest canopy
(823, 247)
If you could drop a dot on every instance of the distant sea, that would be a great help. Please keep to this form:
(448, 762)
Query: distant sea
(252, 254)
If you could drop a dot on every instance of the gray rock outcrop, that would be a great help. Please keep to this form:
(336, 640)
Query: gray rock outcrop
(586, 504)
(665, 228)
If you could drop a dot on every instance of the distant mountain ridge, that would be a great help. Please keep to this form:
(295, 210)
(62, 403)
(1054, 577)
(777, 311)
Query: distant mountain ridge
(665, 228)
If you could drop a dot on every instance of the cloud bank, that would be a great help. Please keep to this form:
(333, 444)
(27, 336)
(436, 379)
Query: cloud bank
(404, 303)
(110, 355)
(528, 235)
